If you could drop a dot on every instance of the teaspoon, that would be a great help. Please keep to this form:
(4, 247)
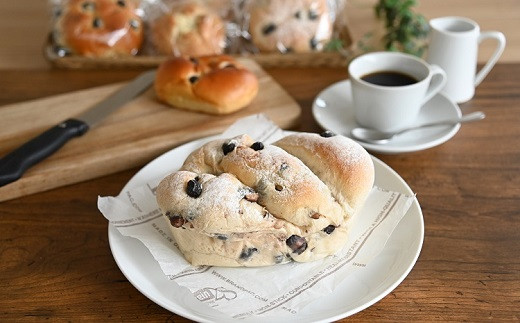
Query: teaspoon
(378, 137)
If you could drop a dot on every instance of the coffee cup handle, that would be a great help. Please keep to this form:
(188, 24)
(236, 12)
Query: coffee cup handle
(437, 82)
(501, 39)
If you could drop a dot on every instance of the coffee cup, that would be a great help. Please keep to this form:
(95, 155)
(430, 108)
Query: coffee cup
(389, 88)
(453, 46)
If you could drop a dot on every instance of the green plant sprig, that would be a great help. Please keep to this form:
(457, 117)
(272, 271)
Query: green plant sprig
(405, 29)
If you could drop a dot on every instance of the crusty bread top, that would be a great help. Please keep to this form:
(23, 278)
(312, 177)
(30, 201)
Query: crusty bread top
(232, 211)
(286, 187)
(338, 161)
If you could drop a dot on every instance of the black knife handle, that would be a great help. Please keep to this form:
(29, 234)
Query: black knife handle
(14, 164)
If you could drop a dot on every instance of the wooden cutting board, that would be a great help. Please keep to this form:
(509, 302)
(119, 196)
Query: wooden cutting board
(132, 136)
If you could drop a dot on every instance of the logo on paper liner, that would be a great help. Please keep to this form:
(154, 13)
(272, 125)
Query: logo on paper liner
(214, 294)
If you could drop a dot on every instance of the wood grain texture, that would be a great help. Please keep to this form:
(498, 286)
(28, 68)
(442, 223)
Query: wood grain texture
(133, 135)
(55, 261)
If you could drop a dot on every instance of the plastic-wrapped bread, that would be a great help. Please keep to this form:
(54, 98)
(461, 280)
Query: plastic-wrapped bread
(98, 28)
(289, 25)
(189, 28)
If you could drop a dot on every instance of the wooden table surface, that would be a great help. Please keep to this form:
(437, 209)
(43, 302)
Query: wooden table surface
(55, 260)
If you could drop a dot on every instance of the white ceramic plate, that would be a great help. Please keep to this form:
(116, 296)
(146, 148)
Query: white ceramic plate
(360, 290)
(333, 111)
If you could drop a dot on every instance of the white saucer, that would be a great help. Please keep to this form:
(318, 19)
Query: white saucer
(333, 111)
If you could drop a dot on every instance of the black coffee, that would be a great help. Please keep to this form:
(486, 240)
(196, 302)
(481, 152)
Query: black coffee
(389, 78)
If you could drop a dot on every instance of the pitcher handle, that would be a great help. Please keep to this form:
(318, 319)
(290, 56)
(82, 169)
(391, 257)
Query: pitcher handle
(501, 44)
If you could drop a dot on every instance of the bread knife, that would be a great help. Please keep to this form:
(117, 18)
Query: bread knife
(15, 163)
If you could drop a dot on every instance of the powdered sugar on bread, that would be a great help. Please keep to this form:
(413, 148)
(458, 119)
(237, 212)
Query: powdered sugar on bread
(237, 202)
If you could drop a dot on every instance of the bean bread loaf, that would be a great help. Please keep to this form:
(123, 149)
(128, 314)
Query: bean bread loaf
(237, 202)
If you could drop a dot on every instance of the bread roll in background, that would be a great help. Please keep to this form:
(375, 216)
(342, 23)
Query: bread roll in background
(289, 25)
(97, 28)
(189, 28)
(210, 84)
